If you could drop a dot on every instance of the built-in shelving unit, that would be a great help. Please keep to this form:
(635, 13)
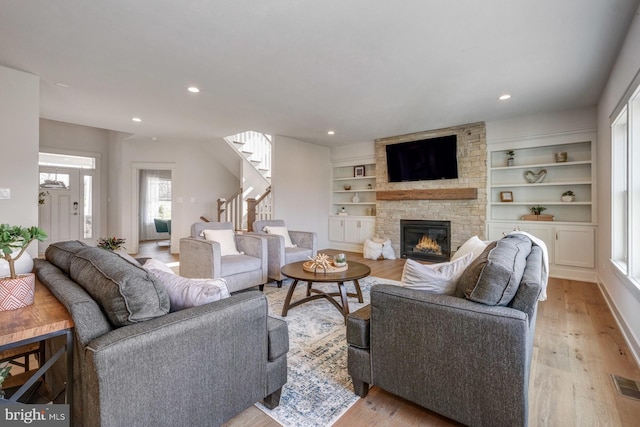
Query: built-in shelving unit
(363, 186)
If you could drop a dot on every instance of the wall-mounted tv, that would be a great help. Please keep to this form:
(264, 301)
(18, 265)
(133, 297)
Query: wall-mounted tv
(426, 159)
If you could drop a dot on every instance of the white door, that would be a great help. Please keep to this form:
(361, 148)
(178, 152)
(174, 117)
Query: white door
(60, 213)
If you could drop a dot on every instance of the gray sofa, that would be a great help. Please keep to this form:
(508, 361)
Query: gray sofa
(465, 356)
(137, 364)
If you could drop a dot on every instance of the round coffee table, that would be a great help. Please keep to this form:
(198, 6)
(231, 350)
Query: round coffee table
(295, 271)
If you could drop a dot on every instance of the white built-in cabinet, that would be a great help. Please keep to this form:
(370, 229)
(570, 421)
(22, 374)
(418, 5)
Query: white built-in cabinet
(571, 236)
(352, 218)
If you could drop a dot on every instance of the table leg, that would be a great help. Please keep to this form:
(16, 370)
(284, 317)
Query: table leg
(309, 288)
(287, 300)
(358, 290)
(345, 301)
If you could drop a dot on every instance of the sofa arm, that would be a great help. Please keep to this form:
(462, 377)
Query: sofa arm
(193, 367)
(252, 245)
(200, 258)
(358, 326)
(278, 333)
(305, 239)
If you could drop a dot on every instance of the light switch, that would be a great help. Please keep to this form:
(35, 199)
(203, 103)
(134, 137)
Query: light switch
(5, 193)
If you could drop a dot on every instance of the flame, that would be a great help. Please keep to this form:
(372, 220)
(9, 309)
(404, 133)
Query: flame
(427, 244)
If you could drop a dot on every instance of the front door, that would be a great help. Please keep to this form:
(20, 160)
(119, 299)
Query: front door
(61, 207)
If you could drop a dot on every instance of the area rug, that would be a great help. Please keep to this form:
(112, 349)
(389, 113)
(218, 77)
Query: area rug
(318, 389)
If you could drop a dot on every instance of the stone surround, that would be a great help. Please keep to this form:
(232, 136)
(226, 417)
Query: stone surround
(467, 216)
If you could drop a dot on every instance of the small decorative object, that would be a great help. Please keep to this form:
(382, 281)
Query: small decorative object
(506, 196)
(342, 211)
(369, 186)
(561, 157)
(340, 260)
(533, 177)
(537, 209)
(4, 374)
(17, 291)
(358, 171)
(568, 196)
(41, 197)
(111, 243)
(320, 261)
(369, 211)
(324, 264)
(356, 199)
(347, 187)
(510, 156)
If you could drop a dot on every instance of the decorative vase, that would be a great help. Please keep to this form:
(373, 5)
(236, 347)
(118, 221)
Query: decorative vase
(356, 199)
(561, 157)
(347, 187)
(509, 162)
(567, 198)
(340, 260)
(18, 292)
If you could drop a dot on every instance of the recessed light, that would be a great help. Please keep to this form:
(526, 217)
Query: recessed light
(504, 97)
(193, 89)
(136, 119)
(331, 132)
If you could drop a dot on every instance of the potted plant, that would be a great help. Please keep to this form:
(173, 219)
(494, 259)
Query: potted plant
(537, 209)
(14, 241)
(111, 243)
(510, 156)
(4, 374)
(568, 196)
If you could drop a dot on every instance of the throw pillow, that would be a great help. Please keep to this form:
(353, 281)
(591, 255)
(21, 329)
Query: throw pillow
(371, 249)
(280, 231)
(226, 238)
(474, 245)
(439, 278)
(127, 293)
(186, 293)
(154, 264)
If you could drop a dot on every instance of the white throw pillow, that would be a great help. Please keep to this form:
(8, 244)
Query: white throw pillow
(439, 278)
(226, 238)
(186, 293)
(371, 249)
(154, 264)
(474, 245)
(280, 231)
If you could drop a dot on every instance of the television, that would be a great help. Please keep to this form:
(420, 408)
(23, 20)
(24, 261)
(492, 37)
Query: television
(423, 160)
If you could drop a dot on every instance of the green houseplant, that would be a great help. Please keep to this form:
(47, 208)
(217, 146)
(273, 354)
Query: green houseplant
(111, 243)
(510, 156)
(19, 290)
(568, 196)
(537, 209)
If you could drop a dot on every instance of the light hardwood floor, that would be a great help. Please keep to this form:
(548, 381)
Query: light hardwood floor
(577, 347)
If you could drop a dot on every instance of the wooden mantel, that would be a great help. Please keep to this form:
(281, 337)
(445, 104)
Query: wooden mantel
(432, 194)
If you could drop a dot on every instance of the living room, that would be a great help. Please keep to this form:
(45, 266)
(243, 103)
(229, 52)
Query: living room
(302, 169)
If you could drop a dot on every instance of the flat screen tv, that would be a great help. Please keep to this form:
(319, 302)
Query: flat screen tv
(426, 159)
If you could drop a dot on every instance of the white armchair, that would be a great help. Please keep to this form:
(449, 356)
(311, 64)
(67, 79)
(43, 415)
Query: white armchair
(306, 245)
(241, 259)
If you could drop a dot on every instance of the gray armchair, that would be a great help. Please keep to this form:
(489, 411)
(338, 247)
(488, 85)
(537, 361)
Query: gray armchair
(306, 246)
(200, 258)
(466, 360)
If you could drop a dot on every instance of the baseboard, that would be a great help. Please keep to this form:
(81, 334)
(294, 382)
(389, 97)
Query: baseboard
(583, 275)
(634, 346)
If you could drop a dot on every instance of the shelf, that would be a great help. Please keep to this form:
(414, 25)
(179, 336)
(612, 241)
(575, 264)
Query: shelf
(542, 165)
(351, 203)
(354, 178)
(366, 190)
(542, 184)
(543, 203)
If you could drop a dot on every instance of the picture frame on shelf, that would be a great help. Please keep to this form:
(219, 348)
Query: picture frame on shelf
(506, 196)
(358, 171)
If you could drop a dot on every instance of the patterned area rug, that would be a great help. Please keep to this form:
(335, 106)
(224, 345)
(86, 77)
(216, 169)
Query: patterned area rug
(318, 389)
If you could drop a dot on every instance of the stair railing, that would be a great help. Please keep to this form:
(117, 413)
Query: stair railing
(230, 209)
(260, 208)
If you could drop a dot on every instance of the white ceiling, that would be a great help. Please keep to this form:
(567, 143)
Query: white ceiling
(364, 68)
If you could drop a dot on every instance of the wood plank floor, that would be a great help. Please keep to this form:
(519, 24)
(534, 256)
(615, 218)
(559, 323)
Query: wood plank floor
(577, 347)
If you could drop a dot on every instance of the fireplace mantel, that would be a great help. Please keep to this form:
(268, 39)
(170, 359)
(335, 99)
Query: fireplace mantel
(429, 194)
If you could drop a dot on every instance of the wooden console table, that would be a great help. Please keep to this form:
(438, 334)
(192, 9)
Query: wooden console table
(46, 318)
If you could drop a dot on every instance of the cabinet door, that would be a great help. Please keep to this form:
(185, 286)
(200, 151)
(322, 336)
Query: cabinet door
(352, 230)
(367, 228)
(336, 229)
(543, 232)
(575, 246)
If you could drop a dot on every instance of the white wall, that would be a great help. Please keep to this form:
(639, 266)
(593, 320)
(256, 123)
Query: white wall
(19, 113)
(198, 180)
(623, 297)
(301, 186)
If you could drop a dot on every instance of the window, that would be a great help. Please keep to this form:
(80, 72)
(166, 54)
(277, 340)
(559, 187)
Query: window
(625, 188)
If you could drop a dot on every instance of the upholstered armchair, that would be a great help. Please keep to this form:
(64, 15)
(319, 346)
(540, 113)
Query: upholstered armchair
(298, 246)
(214, 250)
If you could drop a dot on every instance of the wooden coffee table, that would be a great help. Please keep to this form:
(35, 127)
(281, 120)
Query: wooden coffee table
(295, 271)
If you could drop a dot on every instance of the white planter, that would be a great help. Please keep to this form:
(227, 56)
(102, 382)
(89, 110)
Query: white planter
(567, 198)
(18, 292)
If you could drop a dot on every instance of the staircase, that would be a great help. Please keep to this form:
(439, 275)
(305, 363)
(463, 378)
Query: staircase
(255, 194)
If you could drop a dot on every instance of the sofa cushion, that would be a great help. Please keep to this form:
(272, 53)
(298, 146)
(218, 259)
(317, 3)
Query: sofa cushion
(60, 254)
(440, 278)
(186, 293)
(127, 293)
(494, 277)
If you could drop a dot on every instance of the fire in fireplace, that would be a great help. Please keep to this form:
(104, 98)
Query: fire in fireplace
(425, 240)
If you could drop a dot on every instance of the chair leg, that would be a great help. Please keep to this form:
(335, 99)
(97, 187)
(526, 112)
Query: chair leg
(279, 282)
(273, 399)
(360, 388)
(261, 287)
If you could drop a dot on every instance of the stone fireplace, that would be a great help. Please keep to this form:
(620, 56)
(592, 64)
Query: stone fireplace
(425, 240)
(462, 201)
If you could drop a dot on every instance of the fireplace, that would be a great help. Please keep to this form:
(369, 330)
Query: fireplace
(425, 240)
